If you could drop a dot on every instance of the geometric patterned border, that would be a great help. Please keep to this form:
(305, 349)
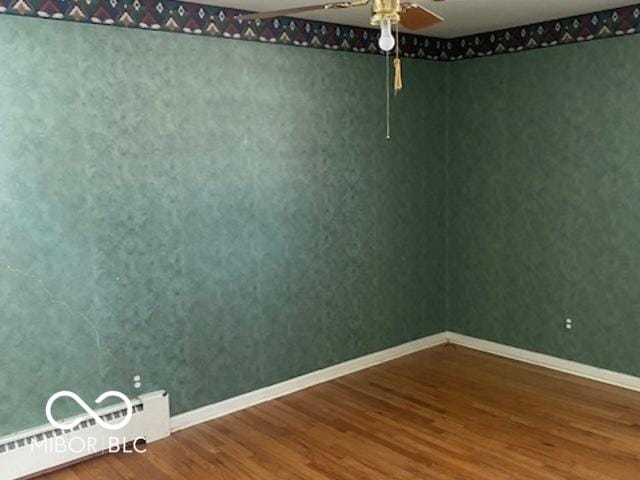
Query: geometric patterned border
(196, 19)
(605, 24)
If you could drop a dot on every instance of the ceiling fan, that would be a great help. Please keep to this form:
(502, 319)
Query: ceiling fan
(384, 13)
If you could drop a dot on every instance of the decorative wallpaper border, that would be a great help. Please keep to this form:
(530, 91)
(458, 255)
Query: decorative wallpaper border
(196, 19)
(591, 26)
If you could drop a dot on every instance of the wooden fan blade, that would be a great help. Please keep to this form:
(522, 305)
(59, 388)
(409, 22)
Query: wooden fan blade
(309, 8)
(416, 17)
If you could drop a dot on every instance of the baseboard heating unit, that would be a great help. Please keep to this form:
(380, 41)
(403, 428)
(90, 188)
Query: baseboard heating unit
(46, 448)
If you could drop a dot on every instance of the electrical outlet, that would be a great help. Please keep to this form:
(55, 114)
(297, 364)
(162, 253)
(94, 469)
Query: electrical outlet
(568, 323)
(137, 381)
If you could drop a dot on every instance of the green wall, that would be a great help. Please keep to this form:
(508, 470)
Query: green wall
(218, 216)
(544, 201)
(213, 215)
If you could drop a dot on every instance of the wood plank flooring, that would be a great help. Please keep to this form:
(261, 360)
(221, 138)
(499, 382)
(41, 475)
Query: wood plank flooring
(444, 413)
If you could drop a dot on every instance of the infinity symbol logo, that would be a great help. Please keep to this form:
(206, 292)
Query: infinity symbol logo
(74, 423)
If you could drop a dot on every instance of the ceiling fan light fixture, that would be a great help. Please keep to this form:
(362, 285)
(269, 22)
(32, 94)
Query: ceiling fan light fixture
(386, 42)
(381, 9)
(385, 13)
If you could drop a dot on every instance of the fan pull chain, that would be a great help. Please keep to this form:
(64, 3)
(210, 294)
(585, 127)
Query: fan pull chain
(397, 81)
(388, 81)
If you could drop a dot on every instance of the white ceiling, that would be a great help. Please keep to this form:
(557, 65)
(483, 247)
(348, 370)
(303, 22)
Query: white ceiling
(462, 17)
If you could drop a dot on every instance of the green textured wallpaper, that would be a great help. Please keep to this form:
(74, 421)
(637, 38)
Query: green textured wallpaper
(544, 201)
(215, 216)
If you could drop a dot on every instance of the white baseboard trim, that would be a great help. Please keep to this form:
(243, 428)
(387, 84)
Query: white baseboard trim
(567, 366)
(225, 407)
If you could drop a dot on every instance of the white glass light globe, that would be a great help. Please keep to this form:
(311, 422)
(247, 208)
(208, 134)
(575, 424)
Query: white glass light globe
(386, 41)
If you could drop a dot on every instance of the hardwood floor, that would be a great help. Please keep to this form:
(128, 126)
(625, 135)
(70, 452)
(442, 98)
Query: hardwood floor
(444, 413)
